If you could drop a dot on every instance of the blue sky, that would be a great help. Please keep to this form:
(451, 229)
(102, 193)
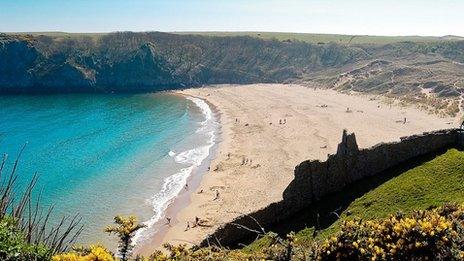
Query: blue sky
(375, 17)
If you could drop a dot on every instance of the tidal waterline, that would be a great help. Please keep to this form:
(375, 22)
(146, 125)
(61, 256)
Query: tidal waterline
(103, 155)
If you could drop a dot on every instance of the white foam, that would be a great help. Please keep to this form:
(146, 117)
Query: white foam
(174, 184)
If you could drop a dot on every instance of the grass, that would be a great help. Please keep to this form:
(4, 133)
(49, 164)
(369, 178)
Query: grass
(429, 185)
(329, 38)
(284, 36)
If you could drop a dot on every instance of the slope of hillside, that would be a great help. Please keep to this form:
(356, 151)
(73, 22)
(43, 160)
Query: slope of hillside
(426, 71)
(426, 186)
(153, 61)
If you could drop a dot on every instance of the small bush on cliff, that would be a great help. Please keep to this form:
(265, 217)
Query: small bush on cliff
(13, 245)
(125, 230)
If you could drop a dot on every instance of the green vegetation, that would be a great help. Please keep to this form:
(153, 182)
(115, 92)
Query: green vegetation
(407, 217)
(421, 70)
(330, 38)
(25, 233)
(14, 246)
(422, 235)
(436, 234)
(427, 186)
(125, 230)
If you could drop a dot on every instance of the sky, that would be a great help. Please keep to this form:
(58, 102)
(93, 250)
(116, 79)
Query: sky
(372, 17)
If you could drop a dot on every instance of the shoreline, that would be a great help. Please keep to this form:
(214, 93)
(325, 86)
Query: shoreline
(183, 199)
(312, 132)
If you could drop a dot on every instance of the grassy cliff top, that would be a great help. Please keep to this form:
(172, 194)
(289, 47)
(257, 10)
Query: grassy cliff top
(286, 36)
(331, 38)
(429, 185)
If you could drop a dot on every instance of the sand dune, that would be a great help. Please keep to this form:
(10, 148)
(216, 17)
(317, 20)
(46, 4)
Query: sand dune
(251, 133)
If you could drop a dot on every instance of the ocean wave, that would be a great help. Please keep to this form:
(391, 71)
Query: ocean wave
(191, 159)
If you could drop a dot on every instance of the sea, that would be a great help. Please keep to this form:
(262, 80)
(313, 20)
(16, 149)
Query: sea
(102, 155)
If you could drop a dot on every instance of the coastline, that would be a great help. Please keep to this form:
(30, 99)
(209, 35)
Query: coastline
(312, 131)
(159, 228)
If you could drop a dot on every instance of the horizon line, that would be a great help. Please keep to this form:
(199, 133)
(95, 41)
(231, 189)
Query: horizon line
(238, 31)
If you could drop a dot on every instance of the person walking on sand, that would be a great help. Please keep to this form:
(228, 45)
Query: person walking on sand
(404, 121)
(197, 221)
(168, 221)
(188, 226)
(186, 187)
(217, 195)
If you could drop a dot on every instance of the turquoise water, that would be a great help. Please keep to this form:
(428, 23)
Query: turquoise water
(103, 155)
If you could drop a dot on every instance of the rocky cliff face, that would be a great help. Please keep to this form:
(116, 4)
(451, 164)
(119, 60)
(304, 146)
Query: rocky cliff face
(153, 61)
(17, 58)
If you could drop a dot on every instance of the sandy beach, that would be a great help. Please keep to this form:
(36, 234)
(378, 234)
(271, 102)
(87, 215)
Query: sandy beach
(267, 129)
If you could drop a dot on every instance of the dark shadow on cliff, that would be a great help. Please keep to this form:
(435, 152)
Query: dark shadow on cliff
(337, 202)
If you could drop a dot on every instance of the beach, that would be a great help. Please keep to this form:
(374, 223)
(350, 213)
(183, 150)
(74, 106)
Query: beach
(268, 129)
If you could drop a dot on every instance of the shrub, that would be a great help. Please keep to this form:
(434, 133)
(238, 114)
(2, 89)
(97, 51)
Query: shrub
(13, 245)
(436, 234)
(94, 253)
(125, 230)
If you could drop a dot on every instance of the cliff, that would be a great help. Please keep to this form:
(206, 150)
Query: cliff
(152, 61)
(155, 61)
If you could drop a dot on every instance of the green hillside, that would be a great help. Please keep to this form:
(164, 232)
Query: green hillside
(427, 186)
(331, 38)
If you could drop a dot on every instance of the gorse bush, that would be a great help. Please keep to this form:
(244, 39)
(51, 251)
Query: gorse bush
(94, 253)
(125, 230)
(424, 235)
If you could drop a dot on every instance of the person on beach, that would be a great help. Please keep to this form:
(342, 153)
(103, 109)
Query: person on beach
(168, 221)
(197, 221)
(280, 121)
(186, 186)
(404, 121)
(188, 226)
(217, 195)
